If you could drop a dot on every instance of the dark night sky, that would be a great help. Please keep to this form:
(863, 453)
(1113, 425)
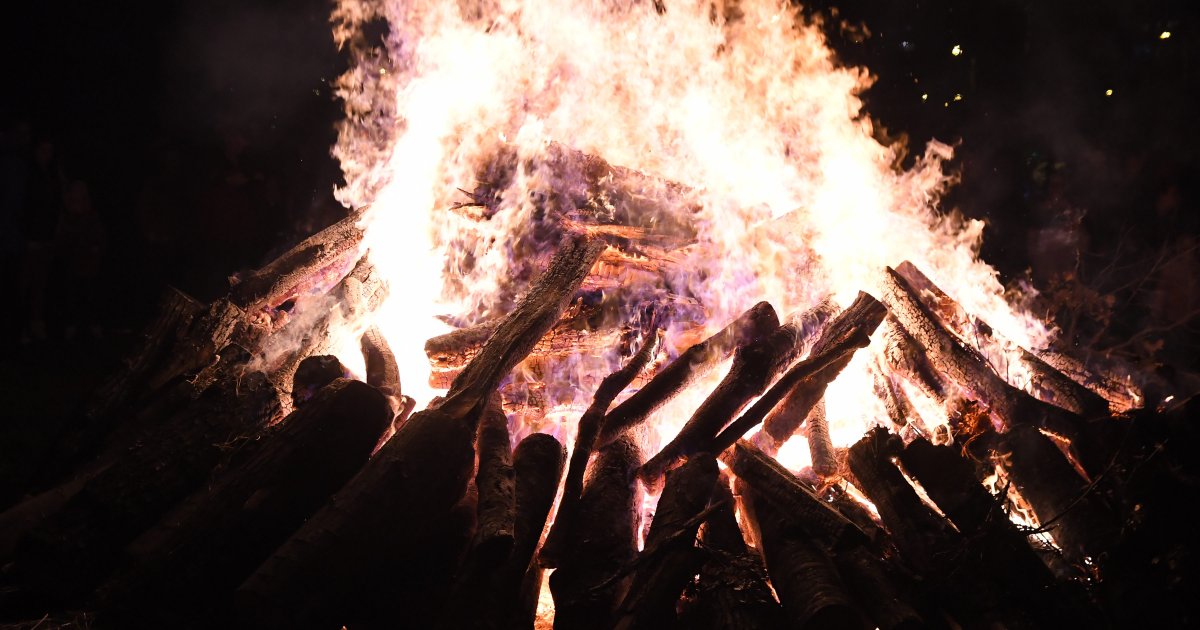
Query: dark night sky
(119, 84)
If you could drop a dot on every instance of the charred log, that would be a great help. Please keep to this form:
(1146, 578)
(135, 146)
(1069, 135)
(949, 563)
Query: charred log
(188, 565)
(313, 374)
(382, 371)
(695, 362)
(671, 558)
(603, 542)
(496, 485)
(66, 555)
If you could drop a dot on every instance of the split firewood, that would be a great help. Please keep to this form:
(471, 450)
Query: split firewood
(1048, 383)
(64, 557)
(313, 266)
(603, 542)
(916, 529)
(755, 366)
(346, 553)
(382, 370)
(189, 564)
(776, 484)
(505, 595)
(689, 366)
(732, 591)
(313, 374)
(820, 446)
(496, 485)
(808, 585)
(660, 579)
(965, 366)
(859, 320)
(899, 408)
(585, 441)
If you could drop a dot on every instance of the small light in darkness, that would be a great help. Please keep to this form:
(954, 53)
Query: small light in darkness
(956, 51)
(958, 97)
(1164, 35)
(1108, 92)
(924, 97)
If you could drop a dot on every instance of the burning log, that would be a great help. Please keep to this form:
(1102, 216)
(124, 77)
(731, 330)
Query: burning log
(505, 595)
(857, 321)
(732, 591)
(692, 364)
(755, 366)
(312, 266)
(539, 461)
(820, 447)
(899, 409)
(966, 366)
(67, 554)
(875, 590)
(194, 558)
(603, 542)
(313, 374)
(809, 588)
(585, 440)
(1054, 385)
(382, 371)
(1062, 500)
(496, 485)
(917, 530)
(344, 555)
(773, 483)
(359, 292)
(805, 374)
(904, 358)
(670, 558)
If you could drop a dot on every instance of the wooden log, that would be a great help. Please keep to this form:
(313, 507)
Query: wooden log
(313, 374)
(875, 590)
(383, 372)
(859, 320)
(585, 440)
(808, 585)
(539, 461)
(689, 366)
(905, 359)
(772, 482)
(188, 565)
(497, 596)
(820, 447)
(671, 559)
(900, 410)
(343, 558)
(310, 331)
(732, 591)
(808, 374)
(312, 266)
(964, 365)
(604, 541)
(65, 557)
(496, 485)
(1081, 524)
(917, 530)
(1047, 383)
(755, 366)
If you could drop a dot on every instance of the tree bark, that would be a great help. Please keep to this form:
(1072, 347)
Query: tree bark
(187, 566)
(313, 374)
(496, 485)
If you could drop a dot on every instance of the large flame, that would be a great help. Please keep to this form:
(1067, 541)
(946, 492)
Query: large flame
(741, 102)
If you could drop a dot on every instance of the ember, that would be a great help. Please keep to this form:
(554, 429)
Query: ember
(633, 308)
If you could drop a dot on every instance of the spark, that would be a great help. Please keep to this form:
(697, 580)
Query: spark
(1108, 92)
(958, 97)
(1164, 35)
(956, 51)
(924, 97)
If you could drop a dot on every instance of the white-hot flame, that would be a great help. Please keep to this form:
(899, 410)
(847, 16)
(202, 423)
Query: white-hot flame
(741, 102)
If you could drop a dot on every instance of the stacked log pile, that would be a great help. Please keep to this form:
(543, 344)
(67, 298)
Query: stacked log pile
(218, 484)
